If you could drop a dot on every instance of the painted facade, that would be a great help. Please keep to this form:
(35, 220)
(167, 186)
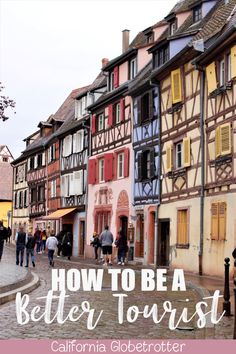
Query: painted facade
(6, 172)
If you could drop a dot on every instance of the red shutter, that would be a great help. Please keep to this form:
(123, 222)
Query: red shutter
(108, 168)
(93, 123)
(116, 76)
(122, 109)
(110, 115)
(126, 163)
(92, 171)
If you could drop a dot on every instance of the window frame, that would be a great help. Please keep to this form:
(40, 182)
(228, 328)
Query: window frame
(99, 128)
(197, 13)
(178, 243)
(132, 68)
(222, 72)
(117, 113)
(101, 170)
(176, 154)
(120, 165)
(111, 81)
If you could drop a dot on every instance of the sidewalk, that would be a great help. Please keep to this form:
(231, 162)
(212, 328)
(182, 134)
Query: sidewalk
(15, 279)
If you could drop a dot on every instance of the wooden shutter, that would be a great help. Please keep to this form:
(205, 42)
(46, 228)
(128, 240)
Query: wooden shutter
(152, 163)
(49, 154)
(150, 105)
(140, 166)
(36, 161)
(81, 146)
(122, 109)
(126, 162)
(233, 61)
(28, 164)
(78, 182)
(182, 227)
(211, 77)
(63, 186)
(176, 86)
(71, 190)
(92, 171)
(217, 142)
(116, 76)
(110, 115)
(225, 139)
(75, 142)
(187, 154)
(169, 158)
(108, 167)
(222, 220)
(214, 221)
(93, 125)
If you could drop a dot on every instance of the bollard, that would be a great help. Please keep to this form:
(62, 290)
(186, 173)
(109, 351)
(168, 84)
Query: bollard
(234, 256)
(226, 303)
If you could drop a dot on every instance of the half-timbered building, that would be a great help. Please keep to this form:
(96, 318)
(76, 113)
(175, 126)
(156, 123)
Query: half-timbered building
(218, 64)
(180, 215)
(146, 146)
(6, 172)
(111, 159)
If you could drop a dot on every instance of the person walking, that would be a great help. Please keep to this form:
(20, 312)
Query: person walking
(21, 241)
(122, 245)
(44, 239)
(9, 233)
(67, 245)
(3, 237)
(59, 237)
(95, 242)
(106, 239)
(37, 236)
(30, 245)
(51, 245)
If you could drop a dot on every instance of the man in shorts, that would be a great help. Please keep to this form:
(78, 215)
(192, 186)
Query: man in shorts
(106, 239)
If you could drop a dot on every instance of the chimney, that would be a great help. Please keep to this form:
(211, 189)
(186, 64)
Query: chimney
(105, 61)
(125, 40)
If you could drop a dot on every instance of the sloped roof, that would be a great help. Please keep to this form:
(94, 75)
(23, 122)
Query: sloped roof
(141, 78)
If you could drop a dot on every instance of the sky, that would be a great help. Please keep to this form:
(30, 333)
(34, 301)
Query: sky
(50, 47)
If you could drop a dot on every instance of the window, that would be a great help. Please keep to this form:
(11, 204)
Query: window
(15, 201)
(67, 146)
(100, 122)
(197, 13)
(182, 228)
(78, 141)
(5, 159)
(41, 193)
(117, 113)
(101, 170)
(132, 68)
(145, 107)
(53, 186)
(111, 81)
(179, 155)
(33, 195)
(39, 160)
(120, 165)
(229, 67)
(83, 105)
(218, 221)
(20, 199)
(31, 163)
(25, 198)
(51, 153)
(146, 165)
(222, 72)
(162, 56)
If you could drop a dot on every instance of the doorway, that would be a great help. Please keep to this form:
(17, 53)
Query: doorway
(81, 237)
(139, 244)
(124, 225)
(163, 243)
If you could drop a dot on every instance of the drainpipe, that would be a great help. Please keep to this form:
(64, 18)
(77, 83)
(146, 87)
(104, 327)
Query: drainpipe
(202, 142)
(157, 86)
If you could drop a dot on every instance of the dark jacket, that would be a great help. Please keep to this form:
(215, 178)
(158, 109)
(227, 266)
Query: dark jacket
(3, 233)
(96, 242)
(121, 242)
(31, 242)
(21, 239)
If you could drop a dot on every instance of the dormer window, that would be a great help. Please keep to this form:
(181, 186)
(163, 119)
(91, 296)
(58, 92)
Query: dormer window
(132, 68)
(111, 81)
(80, 107)
(150, 37)
(161, 56)
(173, 27)
(197, 13)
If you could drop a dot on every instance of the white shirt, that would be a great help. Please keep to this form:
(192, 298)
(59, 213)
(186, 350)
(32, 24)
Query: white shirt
(51, 243)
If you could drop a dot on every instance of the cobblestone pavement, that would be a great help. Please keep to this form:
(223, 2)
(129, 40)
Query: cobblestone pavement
(108, 326)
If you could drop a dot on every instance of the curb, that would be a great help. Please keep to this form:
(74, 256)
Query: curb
(25, 289)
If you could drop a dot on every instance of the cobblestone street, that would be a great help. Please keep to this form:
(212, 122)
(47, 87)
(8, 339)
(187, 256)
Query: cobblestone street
(108, 326)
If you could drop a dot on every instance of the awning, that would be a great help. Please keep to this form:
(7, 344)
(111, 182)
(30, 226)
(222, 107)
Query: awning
(58, 214)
